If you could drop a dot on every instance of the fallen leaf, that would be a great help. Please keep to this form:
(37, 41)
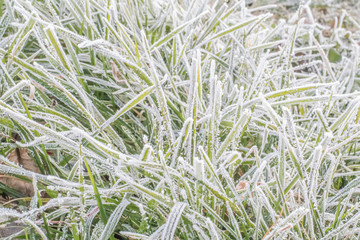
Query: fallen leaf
(241, 185)
(21, 157)
(32, 92)
(38, 86)
(115, 71)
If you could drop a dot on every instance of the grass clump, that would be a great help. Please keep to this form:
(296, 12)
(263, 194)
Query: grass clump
(179, 119)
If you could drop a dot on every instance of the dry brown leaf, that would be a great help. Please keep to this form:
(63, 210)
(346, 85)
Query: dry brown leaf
(32, 92)
(21, 157)
(115, 71)
(241, 185)
(38, 86)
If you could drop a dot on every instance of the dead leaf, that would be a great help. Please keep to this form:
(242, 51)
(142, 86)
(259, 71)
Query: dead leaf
(115, 71)
(21, 157)
(241, 185)
(32, 92)
(38, 86)
(299, 198)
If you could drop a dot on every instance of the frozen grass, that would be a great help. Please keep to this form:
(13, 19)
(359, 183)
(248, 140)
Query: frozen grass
(180, 119)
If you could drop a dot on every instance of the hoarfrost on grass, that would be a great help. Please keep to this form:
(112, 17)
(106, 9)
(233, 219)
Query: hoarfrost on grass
(181, 119)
